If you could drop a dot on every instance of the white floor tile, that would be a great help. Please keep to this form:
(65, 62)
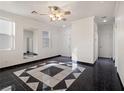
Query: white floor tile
(24, 79)
(69, 82)
(9, 88)
(18, 73)
(33, 85)
(76, 75)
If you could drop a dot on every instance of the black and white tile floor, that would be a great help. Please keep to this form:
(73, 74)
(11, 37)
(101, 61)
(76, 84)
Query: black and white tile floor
(60, 74)
(50, 75)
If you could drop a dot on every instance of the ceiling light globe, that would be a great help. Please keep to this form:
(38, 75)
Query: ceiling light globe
(104, 20)
(59, 18)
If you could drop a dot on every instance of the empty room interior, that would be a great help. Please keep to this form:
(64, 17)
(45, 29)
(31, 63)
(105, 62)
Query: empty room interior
(61, 46)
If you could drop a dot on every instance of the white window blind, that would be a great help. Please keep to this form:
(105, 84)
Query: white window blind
(7, 35)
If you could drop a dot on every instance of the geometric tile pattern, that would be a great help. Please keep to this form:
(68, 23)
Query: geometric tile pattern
(50, 76)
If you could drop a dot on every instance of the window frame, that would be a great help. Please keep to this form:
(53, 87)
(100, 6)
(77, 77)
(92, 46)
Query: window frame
(44, 38)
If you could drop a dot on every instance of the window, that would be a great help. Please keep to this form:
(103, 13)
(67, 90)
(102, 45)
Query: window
(7, 35)
(45, 39)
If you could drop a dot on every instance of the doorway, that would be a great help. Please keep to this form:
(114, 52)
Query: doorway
(29, 41)
(28, 44)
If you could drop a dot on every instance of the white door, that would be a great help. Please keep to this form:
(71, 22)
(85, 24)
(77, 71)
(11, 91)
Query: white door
(105, 40)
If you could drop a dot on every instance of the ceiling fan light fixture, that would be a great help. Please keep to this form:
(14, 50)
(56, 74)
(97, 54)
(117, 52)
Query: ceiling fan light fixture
(55, 13)
(51, 16)
(59, 18)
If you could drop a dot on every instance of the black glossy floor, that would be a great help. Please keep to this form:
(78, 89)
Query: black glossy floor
(101, 76)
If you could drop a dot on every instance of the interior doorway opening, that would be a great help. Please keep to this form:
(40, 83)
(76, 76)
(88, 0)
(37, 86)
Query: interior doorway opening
(29, 47)
(105, 30)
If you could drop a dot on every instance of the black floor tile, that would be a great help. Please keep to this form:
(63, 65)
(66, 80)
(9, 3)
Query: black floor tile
(13, 84)
(43, 87)
(61, 85)
(52, 71)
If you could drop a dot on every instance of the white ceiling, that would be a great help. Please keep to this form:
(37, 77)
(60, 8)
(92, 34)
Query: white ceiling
(79, 9)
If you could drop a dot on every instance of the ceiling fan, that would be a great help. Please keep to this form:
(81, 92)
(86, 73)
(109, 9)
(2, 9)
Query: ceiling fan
(55, 13)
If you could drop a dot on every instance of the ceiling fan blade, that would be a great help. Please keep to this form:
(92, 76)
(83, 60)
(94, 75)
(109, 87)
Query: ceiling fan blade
(43, 14)
(67, 12)
(34, 12)
(64, 19)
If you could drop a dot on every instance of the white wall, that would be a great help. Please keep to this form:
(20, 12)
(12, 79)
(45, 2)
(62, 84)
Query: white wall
(114, 30)
(119, 39)
(66, 42)
(95, 42)
(13, 57)
(105, 35)
(82, 40)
